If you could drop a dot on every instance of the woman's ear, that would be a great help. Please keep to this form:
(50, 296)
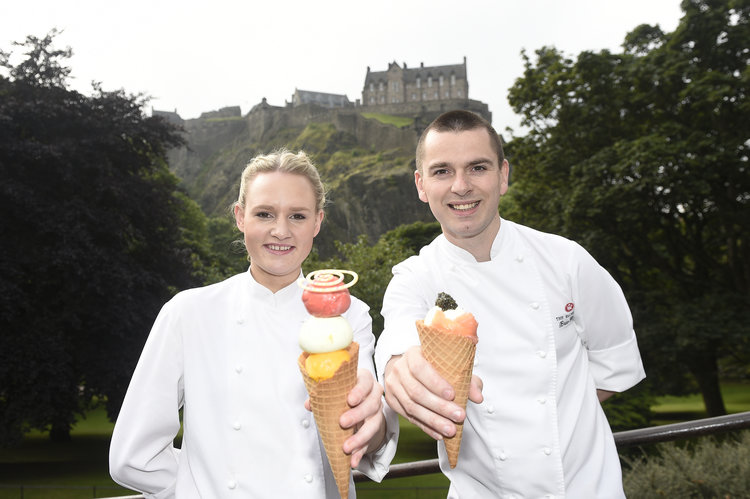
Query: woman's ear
(319, 222)
(239, 217)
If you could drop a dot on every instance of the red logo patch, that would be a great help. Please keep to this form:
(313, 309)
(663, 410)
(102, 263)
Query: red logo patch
(569, 307)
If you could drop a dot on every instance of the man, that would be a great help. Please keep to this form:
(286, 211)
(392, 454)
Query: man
(555, 333)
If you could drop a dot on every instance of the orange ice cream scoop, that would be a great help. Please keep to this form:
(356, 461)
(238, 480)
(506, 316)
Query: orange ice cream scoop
(322, 366)
(455, 322)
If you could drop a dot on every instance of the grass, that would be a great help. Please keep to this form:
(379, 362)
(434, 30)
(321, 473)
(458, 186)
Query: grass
(397, 121)
(78, 469)
(670, 409)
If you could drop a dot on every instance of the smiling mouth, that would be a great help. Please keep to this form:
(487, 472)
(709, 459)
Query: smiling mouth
(463, 206)
(278, 247)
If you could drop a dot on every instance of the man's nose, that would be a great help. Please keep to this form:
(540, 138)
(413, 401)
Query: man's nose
(460, 185)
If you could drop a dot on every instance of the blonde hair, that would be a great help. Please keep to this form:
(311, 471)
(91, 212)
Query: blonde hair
(284, 161)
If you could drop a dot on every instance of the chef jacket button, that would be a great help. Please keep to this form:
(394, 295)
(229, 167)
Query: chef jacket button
(547, 451)
(502, 456)
(535, 305)
(231, 484)
(238, 368)
(542, 353)
(237, 425)
(305, 423)
(542, 400)
(308, 478)
(519, 258)
(490, 408)
(240, 321)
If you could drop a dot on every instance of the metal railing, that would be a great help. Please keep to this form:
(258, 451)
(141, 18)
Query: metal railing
(629, 438)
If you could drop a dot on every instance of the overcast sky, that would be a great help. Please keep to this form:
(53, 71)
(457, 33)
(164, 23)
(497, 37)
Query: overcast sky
(193, 56)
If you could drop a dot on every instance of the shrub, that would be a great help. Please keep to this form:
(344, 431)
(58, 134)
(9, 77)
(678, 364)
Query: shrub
(705, 468)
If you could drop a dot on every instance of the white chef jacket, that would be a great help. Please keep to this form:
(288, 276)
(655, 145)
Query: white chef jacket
(227, 355)
(553, 327)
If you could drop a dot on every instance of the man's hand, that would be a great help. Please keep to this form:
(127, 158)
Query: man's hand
(416, 391)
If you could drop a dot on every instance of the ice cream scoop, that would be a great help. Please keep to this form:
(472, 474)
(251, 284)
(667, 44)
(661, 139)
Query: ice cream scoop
(448, 339)
(328, 362)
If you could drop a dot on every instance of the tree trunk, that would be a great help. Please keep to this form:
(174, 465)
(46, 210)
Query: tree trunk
(706, 372)
(60, 432)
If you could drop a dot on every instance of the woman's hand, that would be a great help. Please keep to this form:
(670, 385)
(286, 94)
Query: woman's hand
(365, 416)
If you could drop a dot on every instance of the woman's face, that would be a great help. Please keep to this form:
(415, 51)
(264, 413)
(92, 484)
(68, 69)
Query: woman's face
(279, 222)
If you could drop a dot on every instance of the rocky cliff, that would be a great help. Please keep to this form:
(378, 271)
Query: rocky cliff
(367, 166)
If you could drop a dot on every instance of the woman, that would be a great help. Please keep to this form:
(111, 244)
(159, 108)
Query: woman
(226, 355)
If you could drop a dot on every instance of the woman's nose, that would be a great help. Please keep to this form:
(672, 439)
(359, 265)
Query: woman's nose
(280, 229)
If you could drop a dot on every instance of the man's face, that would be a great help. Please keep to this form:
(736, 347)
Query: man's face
(462, 182)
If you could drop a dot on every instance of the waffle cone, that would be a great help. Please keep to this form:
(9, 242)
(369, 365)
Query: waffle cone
(328, 403)
(452, 356)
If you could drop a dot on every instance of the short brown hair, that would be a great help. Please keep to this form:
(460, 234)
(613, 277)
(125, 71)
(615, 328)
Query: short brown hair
(460, 121)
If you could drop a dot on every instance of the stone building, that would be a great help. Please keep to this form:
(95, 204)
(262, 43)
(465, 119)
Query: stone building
(323, 99)
(421, 91)
(403, 84)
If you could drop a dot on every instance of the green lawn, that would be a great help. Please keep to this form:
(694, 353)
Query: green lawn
(81, 464)
(397, 121)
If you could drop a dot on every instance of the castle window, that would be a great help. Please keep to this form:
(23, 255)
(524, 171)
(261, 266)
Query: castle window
(453, 79)
(372, 100)
(372, 86)
(441, 80)
(447, 95)
(424, 95)
(460, 93)
(419, 82)
(437, 96)
(382, 99)
(413, 96)
(429, 81)
(380, 86)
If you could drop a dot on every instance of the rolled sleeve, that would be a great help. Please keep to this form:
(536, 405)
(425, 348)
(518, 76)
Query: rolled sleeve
(605, 325)
(376, 464)
(618, 368)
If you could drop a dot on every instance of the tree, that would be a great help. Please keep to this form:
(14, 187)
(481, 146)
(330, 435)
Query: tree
(643, 157)
(373, 263)
(91, 241)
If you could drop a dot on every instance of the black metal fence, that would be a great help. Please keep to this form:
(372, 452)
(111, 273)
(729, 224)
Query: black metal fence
(652, 435)
(623, 439)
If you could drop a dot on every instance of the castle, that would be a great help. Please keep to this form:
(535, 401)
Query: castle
(404, 91)
(424, 91)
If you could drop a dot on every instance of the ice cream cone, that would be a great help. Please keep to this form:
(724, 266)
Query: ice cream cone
(328, 403)
(452, 356)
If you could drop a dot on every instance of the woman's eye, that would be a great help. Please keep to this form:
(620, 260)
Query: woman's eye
(263, 214)
(298, 216)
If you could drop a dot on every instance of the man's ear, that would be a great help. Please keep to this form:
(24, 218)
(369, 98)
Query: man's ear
(418, 182)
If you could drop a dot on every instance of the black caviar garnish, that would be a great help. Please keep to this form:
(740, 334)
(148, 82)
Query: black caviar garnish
(446, 302)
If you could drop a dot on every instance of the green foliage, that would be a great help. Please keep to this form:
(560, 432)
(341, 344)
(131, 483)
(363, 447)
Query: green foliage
(709, 468)
(373, 264)
(631, 409)
(397, 121)
(642, 158)
(96, 238)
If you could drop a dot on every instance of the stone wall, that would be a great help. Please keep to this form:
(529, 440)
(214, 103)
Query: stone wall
(429, 110)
